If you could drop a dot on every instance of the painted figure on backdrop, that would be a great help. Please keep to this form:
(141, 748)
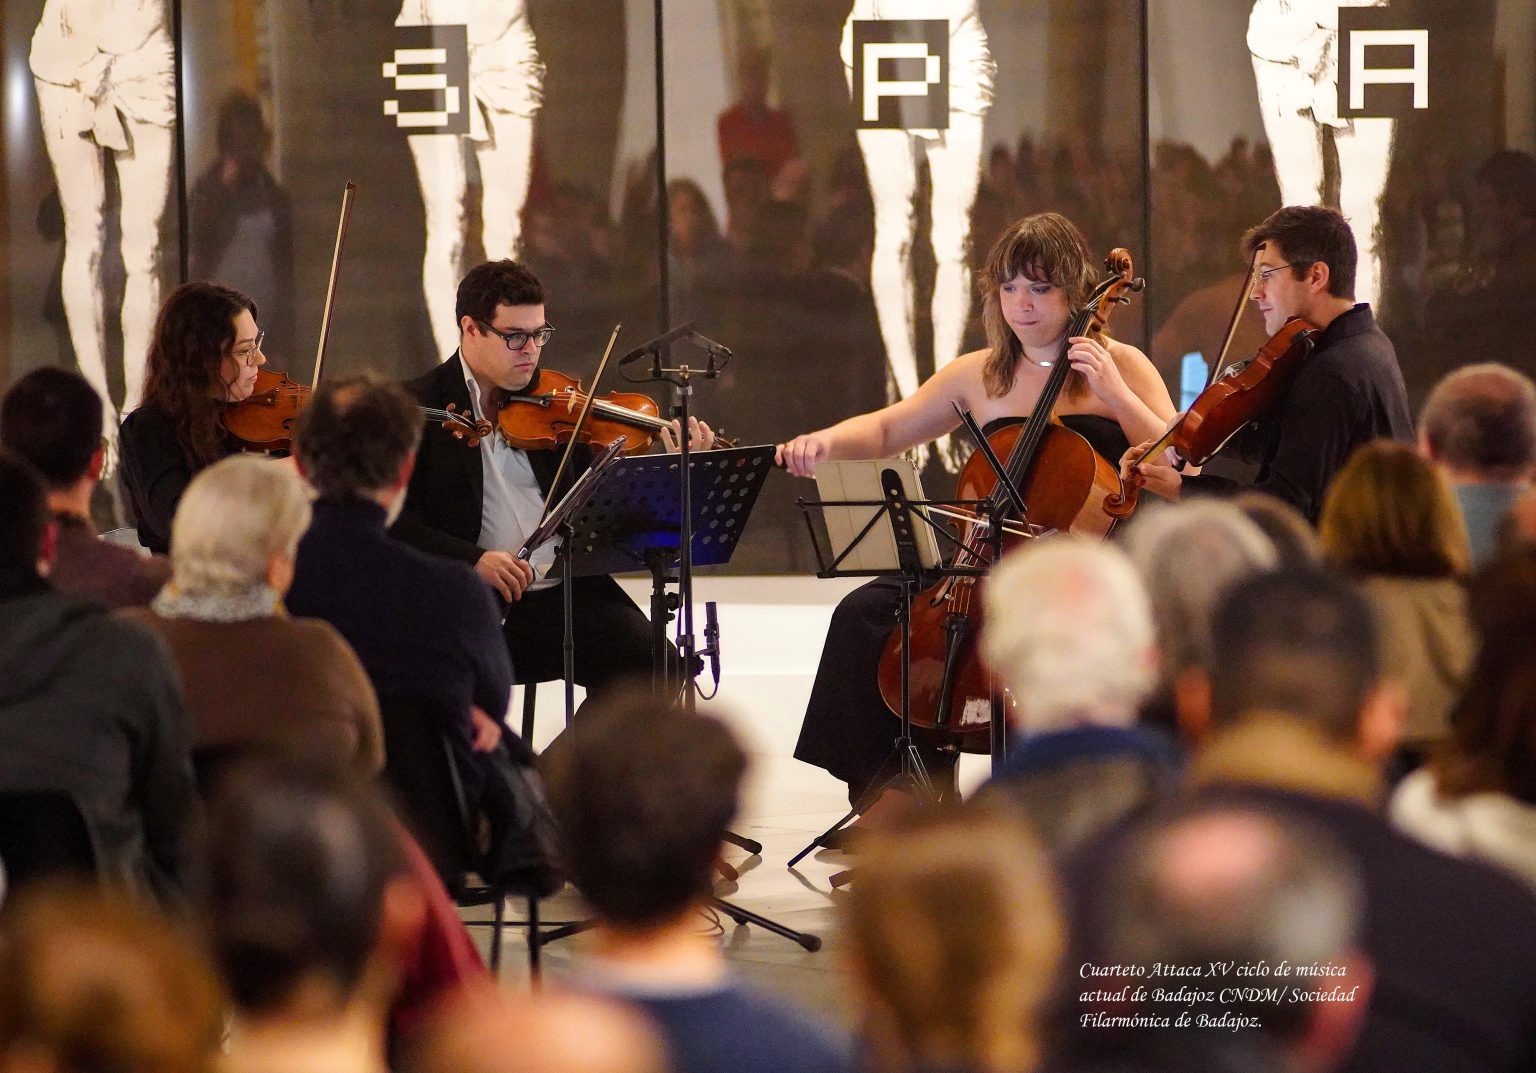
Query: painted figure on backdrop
(892, 157)
(103, 71)
(1295, 50)
(506, 79)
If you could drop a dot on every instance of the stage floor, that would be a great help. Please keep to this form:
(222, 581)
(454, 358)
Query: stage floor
(771, 638)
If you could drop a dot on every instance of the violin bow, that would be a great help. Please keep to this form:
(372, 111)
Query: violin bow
(1237, 314)
(581, 419)
(330, 287)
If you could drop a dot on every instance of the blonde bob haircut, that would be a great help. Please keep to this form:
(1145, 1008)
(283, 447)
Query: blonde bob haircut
(234, 516)
(1389, 512)
(1047, 248)
(954, 937)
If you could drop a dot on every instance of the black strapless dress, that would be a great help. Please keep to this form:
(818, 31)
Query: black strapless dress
(848, 730)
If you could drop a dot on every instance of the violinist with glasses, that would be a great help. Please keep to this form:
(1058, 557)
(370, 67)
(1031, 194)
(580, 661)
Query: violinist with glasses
(479, 503)
(1346, 392)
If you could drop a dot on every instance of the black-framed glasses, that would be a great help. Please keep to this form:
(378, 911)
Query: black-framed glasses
(517, 339)
(1265, 273)
(248, 357)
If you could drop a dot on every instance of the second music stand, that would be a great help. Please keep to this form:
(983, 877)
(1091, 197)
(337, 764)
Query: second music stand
(910, 537)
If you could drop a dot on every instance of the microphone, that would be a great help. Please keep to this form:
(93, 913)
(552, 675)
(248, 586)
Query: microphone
(651, 347)
(712, 639)
(716, 350)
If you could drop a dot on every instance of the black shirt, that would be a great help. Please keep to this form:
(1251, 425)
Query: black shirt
(1348, 392)
(156, 471)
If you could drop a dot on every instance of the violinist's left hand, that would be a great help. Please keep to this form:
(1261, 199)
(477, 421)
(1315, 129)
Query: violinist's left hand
(1158, 474)
(700, 436)
(1098, 367)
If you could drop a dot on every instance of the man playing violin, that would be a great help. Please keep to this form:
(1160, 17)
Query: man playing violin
(1037, 273)
(478, 504)
(1348, 392)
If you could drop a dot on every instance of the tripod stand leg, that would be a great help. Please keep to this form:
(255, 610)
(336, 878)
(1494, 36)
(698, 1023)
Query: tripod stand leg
(746, 916)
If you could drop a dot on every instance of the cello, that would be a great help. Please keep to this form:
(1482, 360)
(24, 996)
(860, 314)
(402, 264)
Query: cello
(1063, 482)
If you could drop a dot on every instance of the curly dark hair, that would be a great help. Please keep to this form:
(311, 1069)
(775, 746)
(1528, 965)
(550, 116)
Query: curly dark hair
(496, 283)
(193, 333)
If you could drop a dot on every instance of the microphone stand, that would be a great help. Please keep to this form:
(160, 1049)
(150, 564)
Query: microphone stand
(681, 379)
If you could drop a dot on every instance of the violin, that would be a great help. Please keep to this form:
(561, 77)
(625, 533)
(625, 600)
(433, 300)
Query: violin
(264, 422)
(1241, 393)
(1062, 481)
(544, 416)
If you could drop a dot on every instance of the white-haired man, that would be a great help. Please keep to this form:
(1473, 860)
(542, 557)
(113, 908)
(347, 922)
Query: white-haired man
(1069, 631)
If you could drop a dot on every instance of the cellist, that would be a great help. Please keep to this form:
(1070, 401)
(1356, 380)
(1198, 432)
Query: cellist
(1347, 392)
(1036, 274)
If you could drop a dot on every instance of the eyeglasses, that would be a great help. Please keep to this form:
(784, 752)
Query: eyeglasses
(518, 339)
(1265, 273)
(248, 357)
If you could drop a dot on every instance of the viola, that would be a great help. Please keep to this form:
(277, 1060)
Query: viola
(264, 422)
(1063, 482)
(1243, 392)
(544, 416)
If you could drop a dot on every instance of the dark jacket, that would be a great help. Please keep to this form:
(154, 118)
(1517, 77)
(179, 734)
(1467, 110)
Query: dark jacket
(423, 628)
(443, 503)
(156, 472)
(1074, 784)
(90, 705)
(1348, 392)
(1450, 942)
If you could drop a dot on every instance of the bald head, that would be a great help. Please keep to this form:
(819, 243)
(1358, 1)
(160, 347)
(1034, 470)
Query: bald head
(1480, 424)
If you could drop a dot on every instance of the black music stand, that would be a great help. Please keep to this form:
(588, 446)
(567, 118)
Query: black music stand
(899, 511)
(633, 520)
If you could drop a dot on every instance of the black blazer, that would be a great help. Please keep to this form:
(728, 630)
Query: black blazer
(443, 503)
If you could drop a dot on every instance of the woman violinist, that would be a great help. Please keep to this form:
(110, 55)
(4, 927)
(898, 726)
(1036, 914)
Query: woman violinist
(1036, 274)
(205, 354)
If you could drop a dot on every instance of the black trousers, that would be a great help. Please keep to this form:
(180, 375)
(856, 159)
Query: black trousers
(849, 730)
(612, 635)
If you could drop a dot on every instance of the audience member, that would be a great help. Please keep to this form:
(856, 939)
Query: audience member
(1227, 895)
(1389, 520)
(240, 219)
(643, 795)
(1069, 633)
(751, 129)
(1477, 795)
(311, 914)
(1479, 425)
(551, 1030)
(954, 936)
(1188, 555)
(1294, 539)
(89, 705)
(92, 983)
(52, 417)
(1294, 718)
(253, 676)
(425, 628)
(1518, 529)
